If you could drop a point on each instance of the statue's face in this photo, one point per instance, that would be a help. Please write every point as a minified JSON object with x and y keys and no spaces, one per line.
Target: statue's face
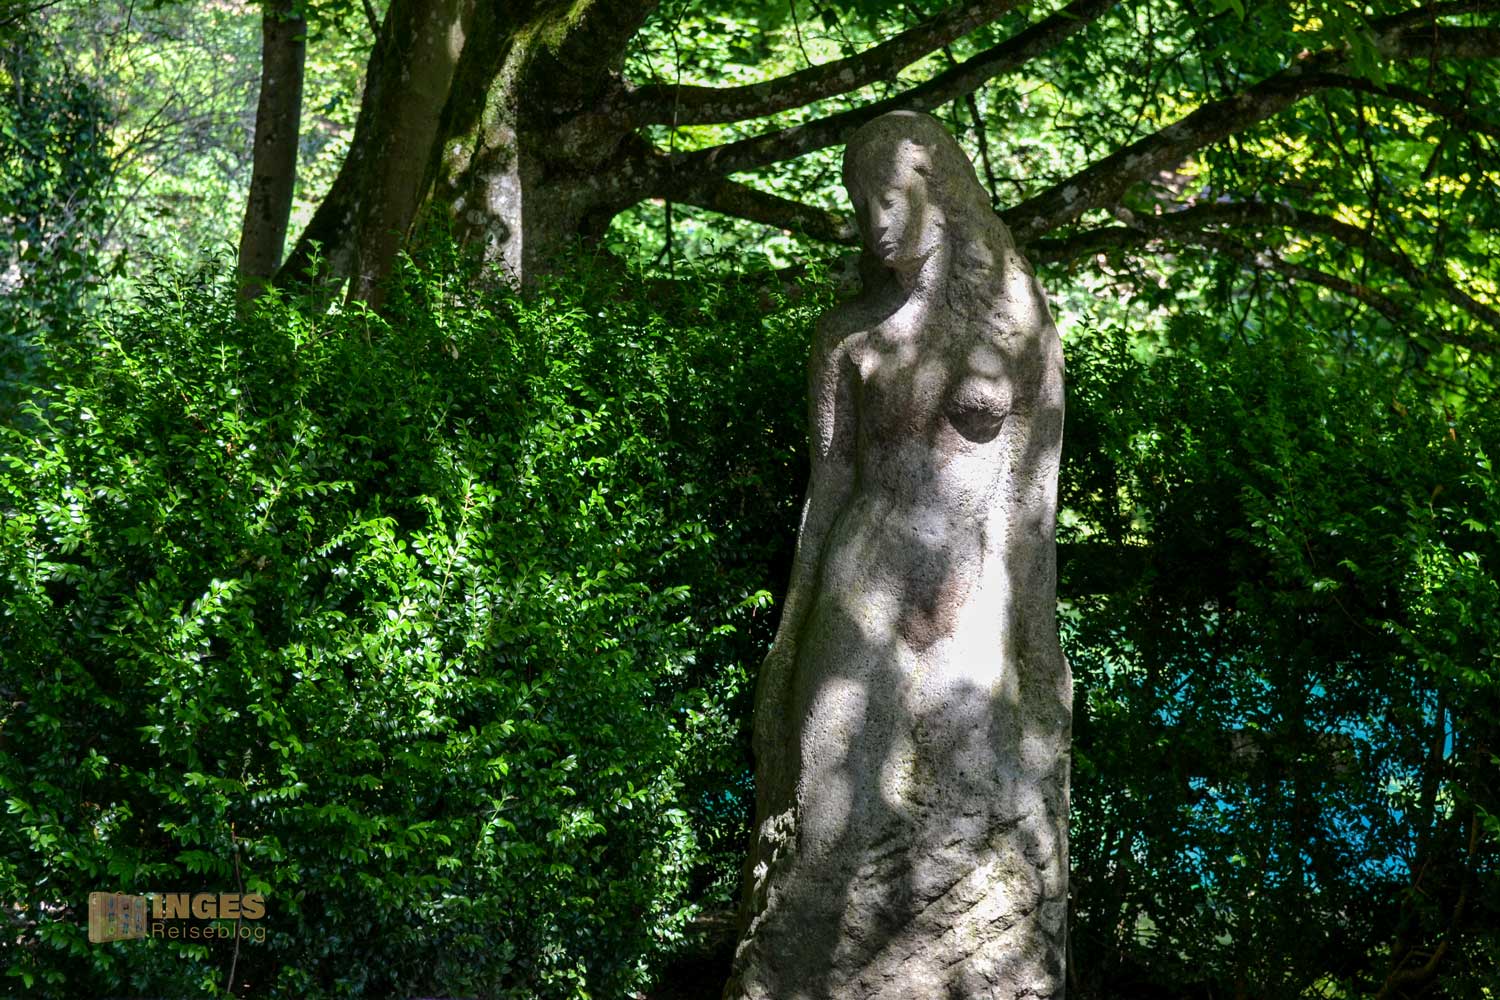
{"x":901,"y":226}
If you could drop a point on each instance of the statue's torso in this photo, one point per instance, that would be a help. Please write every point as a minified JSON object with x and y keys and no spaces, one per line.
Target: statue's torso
{"x":918,"y":540}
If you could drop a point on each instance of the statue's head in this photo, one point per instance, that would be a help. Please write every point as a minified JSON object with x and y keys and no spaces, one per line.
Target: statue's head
{"x":915,"y":190}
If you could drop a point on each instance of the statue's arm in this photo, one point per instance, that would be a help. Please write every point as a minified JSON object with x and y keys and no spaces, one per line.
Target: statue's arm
{"x":832,"y":432}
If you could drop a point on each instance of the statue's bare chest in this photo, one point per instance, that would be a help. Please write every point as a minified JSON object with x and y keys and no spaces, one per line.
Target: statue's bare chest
{"x":928,"y":382}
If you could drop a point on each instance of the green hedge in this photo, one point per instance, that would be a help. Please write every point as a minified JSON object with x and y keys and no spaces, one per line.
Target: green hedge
{"x":431,"y":626}
{"x":1283,"y":615}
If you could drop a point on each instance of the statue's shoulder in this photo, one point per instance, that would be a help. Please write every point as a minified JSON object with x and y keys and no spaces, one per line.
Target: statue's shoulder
{"x":839,"y":325}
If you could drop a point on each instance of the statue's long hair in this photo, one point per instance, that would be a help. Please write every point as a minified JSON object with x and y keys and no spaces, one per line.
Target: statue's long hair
{"x":980,"y":248}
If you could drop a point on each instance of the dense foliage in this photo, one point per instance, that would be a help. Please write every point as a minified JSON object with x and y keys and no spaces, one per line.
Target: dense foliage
{"x":53,"y":168}
{"x":1284,"y":621}
{"x":420,"y":624}
{"x":435,"y":627}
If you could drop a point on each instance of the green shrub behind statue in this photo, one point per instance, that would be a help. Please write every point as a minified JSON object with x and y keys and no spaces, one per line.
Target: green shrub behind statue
{"x":409,"y":622}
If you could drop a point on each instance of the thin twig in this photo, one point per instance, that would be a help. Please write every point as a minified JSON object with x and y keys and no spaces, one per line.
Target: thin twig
{"x":239,"y":886}
{"x":797,"y":27}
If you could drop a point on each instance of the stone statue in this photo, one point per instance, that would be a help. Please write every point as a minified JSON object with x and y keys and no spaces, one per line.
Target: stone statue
{"x":912,"y":718}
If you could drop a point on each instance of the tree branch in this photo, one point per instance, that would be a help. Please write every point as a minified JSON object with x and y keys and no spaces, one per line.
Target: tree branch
{"x":1075,"y":247}
{"x":19,"y":12}
{"x":1102,"y":183}
{"x":1401,"y":979}
{"x":661,"y":104}
{"x":1428,"y":13}
{"x":789,"y":143}
{"x":1458,"y":115}
{"x":1263,"y":215}
{"x":1263,"y":260}
{"x":1442,"y":42}
{"x":593,"y":35}
{"x":745,"y":202}
{"x":1185,"y":229}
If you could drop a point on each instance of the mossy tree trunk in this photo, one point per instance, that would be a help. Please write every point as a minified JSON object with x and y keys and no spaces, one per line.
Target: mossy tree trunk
{"x":278,"y":120}
{"x":498,"y":119}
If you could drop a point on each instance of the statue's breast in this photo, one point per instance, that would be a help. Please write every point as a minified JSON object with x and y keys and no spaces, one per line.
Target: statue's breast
{"x":976,"y":405}
{"x":929,"y":388}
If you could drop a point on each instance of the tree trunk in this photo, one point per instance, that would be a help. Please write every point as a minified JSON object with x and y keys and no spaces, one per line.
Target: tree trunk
{"x":511,"y":141}
{"x":360,"y":224}
{"x":277,"y":130}
{"x":428,"y":36}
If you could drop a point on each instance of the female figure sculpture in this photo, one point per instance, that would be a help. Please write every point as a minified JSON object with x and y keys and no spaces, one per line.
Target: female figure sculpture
{"x":912,"y":717}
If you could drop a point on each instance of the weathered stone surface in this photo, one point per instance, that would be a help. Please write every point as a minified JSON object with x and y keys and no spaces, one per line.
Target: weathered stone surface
{"x":912,"y":717}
